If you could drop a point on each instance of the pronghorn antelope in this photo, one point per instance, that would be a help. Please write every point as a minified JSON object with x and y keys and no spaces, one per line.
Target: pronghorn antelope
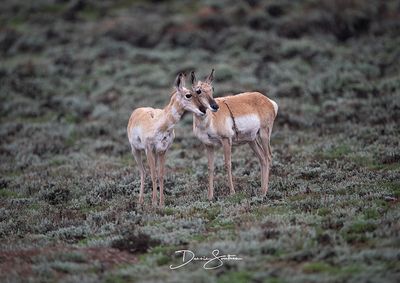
{"x":152,"y":130}
{"x":243,"y":118}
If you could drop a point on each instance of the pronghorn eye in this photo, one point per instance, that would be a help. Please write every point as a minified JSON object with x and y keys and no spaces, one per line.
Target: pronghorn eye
{"x":188,"y":95}
{"x":198,"y":91}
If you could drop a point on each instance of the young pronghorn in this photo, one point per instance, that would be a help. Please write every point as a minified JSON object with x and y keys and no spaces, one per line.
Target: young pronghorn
{"x":243,"y":118}
{"x":152,"y":130}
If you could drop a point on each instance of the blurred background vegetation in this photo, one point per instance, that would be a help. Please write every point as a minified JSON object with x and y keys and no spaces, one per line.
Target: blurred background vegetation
{"x":71,"y":72}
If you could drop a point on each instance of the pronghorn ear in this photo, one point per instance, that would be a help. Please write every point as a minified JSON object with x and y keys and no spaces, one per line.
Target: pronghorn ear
{"x":210,"y":78}
{"x":183,"y":80}
{"x":193,"y":78}
{"x":178,"y":82}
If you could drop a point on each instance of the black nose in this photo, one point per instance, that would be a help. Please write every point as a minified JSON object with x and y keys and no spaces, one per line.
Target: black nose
{"x":198,"y":91}
{"x":202,"y":109}
{"x":214,"y":105}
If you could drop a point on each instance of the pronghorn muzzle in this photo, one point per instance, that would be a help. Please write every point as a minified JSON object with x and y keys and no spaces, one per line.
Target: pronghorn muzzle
{"x":202,"y":109}
{"x":214,"y":106}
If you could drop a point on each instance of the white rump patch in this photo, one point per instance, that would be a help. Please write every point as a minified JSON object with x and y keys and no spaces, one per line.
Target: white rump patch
{"x":275,"y":106}
{"x":136,"y":138}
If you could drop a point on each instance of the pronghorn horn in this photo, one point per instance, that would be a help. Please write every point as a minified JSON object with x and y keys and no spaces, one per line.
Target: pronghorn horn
{"x":211,"y":76}
{"x":193,"y":77}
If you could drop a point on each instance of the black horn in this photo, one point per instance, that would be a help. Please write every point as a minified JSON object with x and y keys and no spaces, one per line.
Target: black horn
{"x":211,"y":76}
{"x":193,"y":78}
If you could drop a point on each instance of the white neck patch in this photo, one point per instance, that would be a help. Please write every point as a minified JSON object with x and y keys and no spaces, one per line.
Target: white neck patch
{"x":175,"y":114}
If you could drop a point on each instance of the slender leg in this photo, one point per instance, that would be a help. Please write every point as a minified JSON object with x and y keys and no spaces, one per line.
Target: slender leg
{"x":161,"y":170}
{"x":151,"y":159}
{"x":263,"y":163}
{"x":227,"y":145}
{"x":258,"y":142}
{"x":138,"y":158}
{"x":264,"y":137}
{"x":210,"y":156}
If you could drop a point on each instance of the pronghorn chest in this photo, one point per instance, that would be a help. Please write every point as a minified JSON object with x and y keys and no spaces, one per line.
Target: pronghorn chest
{"x":206,"y":134}
{"x":159,"y":140}
{"x":163,"y":140}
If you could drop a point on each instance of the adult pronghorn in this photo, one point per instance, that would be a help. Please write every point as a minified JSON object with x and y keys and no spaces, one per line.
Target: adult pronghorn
{"x":152,"y":130}
{"x":243,"y":118}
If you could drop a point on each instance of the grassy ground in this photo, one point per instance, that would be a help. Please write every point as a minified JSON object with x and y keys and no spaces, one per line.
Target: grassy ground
{"x":72,"y":72}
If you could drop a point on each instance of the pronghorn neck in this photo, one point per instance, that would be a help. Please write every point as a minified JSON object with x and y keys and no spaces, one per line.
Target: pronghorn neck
{"x":173,"y":112}
{"x":202,"y":122}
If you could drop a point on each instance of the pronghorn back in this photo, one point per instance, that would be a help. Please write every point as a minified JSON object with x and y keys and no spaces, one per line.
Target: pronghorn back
{"x":239,"y":118}
{"x":246,"y":102}
{"x":247,"y":110}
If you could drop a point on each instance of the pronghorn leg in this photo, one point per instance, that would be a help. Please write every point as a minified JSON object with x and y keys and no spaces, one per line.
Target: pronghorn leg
{"x":151,"y":159}
{"x":210,"y":156}
{"x":138,"y":158}
{"x":227,"y":145}
{"x":264,"y":138}
{"x":161,"y":170}
{"x":256,"y":147}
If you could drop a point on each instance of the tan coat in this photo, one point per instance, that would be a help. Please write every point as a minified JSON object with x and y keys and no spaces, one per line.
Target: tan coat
{"x":239,"y":118}
{"x":243,"y":118}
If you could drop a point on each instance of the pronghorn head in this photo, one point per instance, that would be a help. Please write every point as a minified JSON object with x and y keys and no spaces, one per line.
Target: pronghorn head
{"x":205,"y":90}
{"x":188,"y":98}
